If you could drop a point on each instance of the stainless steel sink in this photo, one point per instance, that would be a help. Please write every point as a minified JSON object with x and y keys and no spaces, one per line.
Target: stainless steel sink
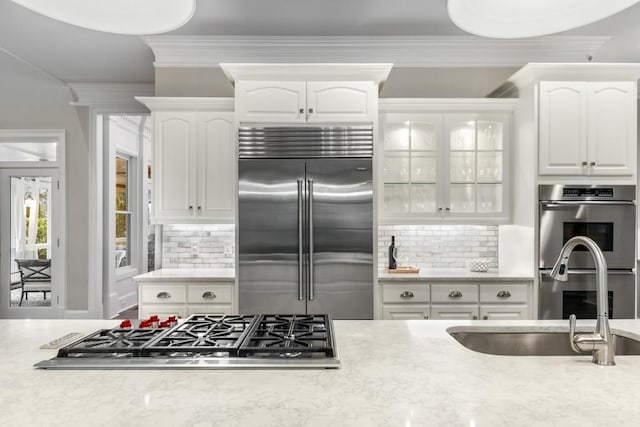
{"x":532,"y":342}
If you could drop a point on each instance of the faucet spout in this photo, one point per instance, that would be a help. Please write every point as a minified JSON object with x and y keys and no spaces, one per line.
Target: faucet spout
{"x":600,"y":342}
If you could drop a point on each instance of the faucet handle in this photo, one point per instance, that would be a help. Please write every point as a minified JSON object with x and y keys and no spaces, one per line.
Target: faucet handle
{"x":572,"y":333}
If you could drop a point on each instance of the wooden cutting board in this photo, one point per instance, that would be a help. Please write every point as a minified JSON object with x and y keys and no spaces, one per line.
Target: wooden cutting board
{"x":402,"y":270}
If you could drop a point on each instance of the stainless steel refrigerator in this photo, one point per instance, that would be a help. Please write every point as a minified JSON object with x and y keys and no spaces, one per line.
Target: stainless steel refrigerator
{"x":306,"y":221}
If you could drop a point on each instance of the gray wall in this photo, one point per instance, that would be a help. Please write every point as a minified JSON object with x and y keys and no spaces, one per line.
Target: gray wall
{"x":32,"y":100}
{"x":402,"y":82}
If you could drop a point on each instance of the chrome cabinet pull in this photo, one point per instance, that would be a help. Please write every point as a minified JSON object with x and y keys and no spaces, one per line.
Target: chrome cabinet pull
{"x":199,"y":208}
{"x":426,"y":317}
{"x":190,"y":207}
{"x":503,"y":294}
{"x":407,"y":294}
{"x":163,"y":295}
{"x":302,"y":111}
{"x":455,"y":294}
{"x":310,"y":110}
{"x":485,"y":317}
{"x":584,"y":163}
{"x":592,"y":164}
{"x":474,"y":318}
{"x":447,"y":209}
{"x":300,"y":243}
{"x":208,"y":295}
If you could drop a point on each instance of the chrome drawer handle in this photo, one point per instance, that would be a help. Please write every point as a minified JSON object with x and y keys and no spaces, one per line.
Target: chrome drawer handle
{"x":407,"y":294}
{"x":503,"y":294}
{"x":163,"y":295}
{"x":455,"y":294}
{"x":208,"y":295}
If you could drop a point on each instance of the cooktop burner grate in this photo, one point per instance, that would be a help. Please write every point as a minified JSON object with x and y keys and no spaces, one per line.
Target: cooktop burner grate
{"x":111,"y":343}
{"x":203,"y":335}
{"x":290,"y":335}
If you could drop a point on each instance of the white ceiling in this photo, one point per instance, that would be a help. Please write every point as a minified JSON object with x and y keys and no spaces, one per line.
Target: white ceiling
{"x":73,"y":54}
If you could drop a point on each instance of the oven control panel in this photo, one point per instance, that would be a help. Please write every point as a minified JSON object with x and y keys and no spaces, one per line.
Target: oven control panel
{"x":572,"y":192}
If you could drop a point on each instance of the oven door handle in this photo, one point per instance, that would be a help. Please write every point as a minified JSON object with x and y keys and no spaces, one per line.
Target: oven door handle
{"x":562,"y":203}
{"x":577,"y":271}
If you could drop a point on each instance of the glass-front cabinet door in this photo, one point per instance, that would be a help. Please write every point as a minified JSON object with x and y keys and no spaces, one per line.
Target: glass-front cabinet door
{"x":475,"y":158}
{"x":411,"y":169}
{"x":445,"y":166}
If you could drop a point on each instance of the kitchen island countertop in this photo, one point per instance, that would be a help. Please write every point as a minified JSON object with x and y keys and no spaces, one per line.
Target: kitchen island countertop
{"x":393,"y":373}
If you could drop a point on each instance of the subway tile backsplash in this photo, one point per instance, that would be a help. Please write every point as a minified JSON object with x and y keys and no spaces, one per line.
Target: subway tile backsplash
{"x":439,"y":246}
{"x":198,"y":246}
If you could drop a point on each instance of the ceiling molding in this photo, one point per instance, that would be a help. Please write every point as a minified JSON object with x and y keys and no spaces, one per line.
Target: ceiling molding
{"x":120,"y":95}
{"x":377,"y":73}
{"x":587,"y":71}
{"x":170,"y":103}
{"x":402,"y":51}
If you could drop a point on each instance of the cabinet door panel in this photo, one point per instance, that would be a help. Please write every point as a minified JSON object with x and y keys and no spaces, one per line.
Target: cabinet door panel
{"x":612,"y":127}
{"x":504,"y":312}
{"x":454,"y":312}
{"x":216,"y":166}
{"x":502,"y":293}
{"x":174,"y":158}
{"x":563,"y":128}
{"x":405,"y":293}
{"x":405,"y":312}
{"x":341,"y":102}
{"x":283,"y":102}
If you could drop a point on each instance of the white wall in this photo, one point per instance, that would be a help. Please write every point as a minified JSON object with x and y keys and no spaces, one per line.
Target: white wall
{"x":30,"y":99}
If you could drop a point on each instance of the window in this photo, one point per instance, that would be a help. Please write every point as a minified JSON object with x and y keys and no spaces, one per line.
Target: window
{"x":122,"y":212}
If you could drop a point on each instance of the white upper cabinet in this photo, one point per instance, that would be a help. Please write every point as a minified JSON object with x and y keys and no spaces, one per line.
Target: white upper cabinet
{"x":306,"y":102}
{"x":587,"y":128}
{"x":445,"y":166}
{"x":193,"y":162}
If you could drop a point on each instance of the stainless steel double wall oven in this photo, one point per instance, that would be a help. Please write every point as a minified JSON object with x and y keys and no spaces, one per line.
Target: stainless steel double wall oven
{"x":606,"y":214}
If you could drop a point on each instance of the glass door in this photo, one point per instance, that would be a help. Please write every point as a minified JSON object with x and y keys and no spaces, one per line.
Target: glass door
{"x":30,"y":260}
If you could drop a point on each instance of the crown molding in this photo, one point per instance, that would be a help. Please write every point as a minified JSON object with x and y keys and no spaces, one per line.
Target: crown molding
{"x":106,"y":95}
{"x":402,"y":51}
{"x":171,"y":103}
{"x":377,"y":73}
{"x":587,"y":71}
{"x":410,"y":105}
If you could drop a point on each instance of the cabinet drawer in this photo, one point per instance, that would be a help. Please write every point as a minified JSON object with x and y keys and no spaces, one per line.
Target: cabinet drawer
{"x":406,"y":293}
{"x":454,"y":292}
{"x":508,"y":293}
{"x":210,"y":293}
{"x":213,"y":309}
{"x":454,"y":312}
{"x":162,"y":310}
{"x":504,"y":312}
{"x":163,"y":293}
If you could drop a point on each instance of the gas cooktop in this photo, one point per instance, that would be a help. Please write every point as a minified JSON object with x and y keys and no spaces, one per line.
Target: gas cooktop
{"x":208,"y":342}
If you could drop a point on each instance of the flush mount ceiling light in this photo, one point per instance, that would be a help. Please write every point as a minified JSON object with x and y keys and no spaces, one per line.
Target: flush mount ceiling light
{"x":506,"y":19}
{"x":117,"y":16}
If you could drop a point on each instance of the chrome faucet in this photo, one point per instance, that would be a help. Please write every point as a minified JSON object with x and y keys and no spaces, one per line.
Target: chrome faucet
{"x":599,"y":342}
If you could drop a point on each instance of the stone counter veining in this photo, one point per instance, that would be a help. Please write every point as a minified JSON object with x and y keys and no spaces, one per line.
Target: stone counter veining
{"x":393,"y":373}
{"x":190,"y":274}
{"x":452,"y":275}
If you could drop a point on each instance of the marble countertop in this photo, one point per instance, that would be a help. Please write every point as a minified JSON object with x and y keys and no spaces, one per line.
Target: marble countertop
{"x":449,"y":274}
{"x":191,"y":274}
{"x":393,"y":373}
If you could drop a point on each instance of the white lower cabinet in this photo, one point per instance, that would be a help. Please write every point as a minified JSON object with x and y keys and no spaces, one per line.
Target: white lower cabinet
{"x":182,"y":299}
{"x":464,"y":300}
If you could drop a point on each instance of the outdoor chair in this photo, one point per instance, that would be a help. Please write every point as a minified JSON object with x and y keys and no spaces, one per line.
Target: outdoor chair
{"x":35,"y":276}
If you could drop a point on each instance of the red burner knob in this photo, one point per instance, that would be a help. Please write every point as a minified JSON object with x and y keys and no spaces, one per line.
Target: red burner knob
{"x":145,"y":324}
{"x":125,"y":324}
{"x":164,"y":324}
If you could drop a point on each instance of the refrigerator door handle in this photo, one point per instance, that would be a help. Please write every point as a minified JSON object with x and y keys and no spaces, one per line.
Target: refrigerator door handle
{"x":300,"y":243}
{"x":311,"y":285}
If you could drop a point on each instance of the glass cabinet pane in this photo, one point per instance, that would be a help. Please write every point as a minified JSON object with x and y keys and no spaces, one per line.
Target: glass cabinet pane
{"x":396,"y":167}
{"x":396,"y":136}
{"x":396,"y":198}
{"x":490,"y":135}
{"x":463,"y":136}
{"x":489,"y":198}
{"x":423,"y":167}
{"x":462,"y":167}
{"x":490,"y":166}
{"x":423,"y":198}
{"x":462,"y":198}
{"x":423,"y":136}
